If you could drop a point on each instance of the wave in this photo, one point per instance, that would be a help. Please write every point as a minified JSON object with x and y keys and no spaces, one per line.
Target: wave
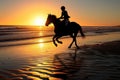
{"x":16,"y":36}
{"x":19,"y":44}
{"x":24,"y":38}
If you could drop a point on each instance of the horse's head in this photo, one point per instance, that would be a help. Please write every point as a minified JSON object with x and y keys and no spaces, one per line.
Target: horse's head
{"x":50,"y":19}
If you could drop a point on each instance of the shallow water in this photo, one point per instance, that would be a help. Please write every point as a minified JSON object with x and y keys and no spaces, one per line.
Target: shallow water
{"x":19,"y":44}
{"x":39,"y":59}
{"x":22,"y":53}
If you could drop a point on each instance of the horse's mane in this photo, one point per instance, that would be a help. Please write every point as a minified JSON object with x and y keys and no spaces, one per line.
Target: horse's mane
{"x":54,"y":16}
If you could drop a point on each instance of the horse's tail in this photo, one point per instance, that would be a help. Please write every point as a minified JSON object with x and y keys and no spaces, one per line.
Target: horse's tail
{"x":81,"y":32}
{"x":79,"y":28}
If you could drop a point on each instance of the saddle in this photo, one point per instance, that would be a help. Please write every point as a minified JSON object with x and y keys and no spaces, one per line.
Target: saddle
{"x":64,"y":27}
{"x":65,"y":23}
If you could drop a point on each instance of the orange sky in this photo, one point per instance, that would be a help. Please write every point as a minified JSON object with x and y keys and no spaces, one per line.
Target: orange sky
{"x":85,"y":12}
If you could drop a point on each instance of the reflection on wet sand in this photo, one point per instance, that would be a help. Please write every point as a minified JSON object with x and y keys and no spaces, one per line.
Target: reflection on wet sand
{"x":44,"y":68}
{"x":44,"y":61}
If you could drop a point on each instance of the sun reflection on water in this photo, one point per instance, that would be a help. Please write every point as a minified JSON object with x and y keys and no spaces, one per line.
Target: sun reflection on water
{"x":41,"y":40}
{"x":40,"y":34}
{"x":41,"y":44}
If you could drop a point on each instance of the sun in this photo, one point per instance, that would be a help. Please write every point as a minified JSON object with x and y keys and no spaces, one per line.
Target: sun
{"x":39,"y":21}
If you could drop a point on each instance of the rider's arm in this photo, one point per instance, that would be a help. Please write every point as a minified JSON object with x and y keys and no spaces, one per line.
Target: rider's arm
{"x":61,"y":17}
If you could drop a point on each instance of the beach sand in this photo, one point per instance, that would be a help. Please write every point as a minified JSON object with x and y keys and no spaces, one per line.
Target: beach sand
{"x":95,"y":60}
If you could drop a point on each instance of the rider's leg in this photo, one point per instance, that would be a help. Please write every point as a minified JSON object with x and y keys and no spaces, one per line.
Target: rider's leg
{"x":66,"y":22}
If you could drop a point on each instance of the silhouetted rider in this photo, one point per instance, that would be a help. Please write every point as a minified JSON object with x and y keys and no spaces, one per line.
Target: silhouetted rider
{"x":64,"y":15}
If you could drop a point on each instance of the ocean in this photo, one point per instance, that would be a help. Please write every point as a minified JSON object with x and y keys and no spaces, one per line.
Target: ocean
{"x":26,"y":35}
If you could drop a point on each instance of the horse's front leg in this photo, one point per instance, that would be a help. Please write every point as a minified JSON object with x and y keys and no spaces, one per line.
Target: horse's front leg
{"x":54,"y":40}
{"x":58,"y":40}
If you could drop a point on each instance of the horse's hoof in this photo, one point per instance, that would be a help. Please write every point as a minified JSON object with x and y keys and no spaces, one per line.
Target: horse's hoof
{"x":69,"y":47}
{"x":60,"y":42}
{"x":78,"y":47}
{"x":55,"y":45}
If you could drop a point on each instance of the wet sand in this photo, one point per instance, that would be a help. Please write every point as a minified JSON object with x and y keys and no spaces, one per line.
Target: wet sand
{"x":91,"y":62}
{"x":95,"y":60}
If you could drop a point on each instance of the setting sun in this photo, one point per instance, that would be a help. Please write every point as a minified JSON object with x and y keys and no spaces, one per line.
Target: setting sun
{"x":39,"y":21}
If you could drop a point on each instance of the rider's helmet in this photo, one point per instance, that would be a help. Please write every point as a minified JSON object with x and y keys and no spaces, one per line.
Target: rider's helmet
{"x":62,"y":7}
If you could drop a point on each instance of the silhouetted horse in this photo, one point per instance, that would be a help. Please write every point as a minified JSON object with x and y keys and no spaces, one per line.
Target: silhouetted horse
{"x":61,"y":30}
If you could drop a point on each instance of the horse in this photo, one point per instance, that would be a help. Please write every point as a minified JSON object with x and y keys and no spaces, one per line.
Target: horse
{"x":60,"y":30}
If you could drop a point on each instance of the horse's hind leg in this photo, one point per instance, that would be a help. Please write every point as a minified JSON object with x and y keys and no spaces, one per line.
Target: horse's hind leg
{"x":76,"y":40}
{"x":72,"y":41}
{"x":58,"y":40}
{"x":76,"y":43}
{"x":71,"y":44}
{"x":54,"y":40}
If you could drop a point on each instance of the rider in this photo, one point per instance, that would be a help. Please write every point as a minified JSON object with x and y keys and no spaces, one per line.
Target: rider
{"x":64,"y":15}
